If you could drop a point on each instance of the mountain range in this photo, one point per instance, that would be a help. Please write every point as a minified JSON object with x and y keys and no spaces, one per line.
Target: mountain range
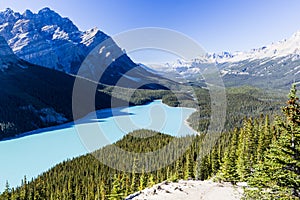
{"x":47,"y":39}
{"x":33,"y":96}
{"x":40,"y":55}
{"x":273,"y":66}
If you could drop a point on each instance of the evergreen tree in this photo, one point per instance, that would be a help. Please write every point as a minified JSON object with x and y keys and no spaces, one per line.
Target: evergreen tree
{"x":143,"y":182}
{"x":246,"y":149}
{"x":279,"y":175}
{"x":24,"y":192}
{"x":196,"y":170}
{"x":264,"y":139}
{"x":102,"y":190}
{"x":228,"y":169}
{"x":242,"y":160}
{"x":215,"y":159}
{"x":187,"y":166}
{"x":253,"y":144}
{"x":150,"y":181}
{"x":116,"y":191}
{"x":204,"y":168}
{"x":7,"y":192}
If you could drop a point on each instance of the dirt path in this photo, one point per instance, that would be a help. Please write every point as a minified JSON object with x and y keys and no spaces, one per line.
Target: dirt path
{"x":191,"y":190}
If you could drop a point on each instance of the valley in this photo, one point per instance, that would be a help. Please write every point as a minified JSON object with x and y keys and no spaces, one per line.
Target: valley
{"x":80,"y":119}
{"x":49,"y":147}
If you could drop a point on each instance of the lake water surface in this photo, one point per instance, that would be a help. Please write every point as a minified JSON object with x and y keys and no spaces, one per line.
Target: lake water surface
{"x":39,"y":150}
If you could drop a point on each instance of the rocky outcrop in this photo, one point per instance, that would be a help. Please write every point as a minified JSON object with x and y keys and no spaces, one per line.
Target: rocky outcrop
{"x":47,"y":39}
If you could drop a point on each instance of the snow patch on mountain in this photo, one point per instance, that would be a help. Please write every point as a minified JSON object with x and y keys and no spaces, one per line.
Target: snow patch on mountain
{"x":274,"y":65}
{"x":47,"y":39}
{"x":286,"y":47}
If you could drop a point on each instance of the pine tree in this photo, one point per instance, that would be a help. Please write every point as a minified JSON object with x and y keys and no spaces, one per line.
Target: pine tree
{"x":204,"y":168}
{"x":143,"y":181}
{"x":264,"y":139}
{"x":7,"y":192}
{"x":133,"y":178}
{"x":279,"y":175}
{"x":187,"y":166}
{"x":116,"y":191}
{"x":246,"y":149}
{"x":215,"y":159}
{"x":24,"y":192}
{"x":254,"y":139}
{"x":228,"y":169}
{"x":102,"y":190}
{"x":125,"y":186}
{"x":150,"y":181}
{"x":196,"y":170}
{"x":242,"y":156}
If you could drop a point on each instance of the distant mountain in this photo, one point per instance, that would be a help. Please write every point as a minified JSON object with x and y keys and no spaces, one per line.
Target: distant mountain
{"x":33,"y":97}
{"x":47,"y":39}
{"x":273,"y":66}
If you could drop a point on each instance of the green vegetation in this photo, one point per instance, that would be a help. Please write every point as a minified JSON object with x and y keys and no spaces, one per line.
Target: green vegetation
{"x":277,"y":174}
{"x":28,"y":93}
{"x":28,"y":101}
{"x":260,"y":149}
{"x":134,"y":96}
{"x":87,"y":178}
{"x":267,"y":155}
{"x":241,"y":102}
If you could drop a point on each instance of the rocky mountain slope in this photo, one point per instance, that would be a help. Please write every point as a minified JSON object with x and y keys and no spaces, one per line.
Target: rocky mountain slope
{"x":273,"y":66}
{"x":33,"y":97}
{"x":47,"y":39}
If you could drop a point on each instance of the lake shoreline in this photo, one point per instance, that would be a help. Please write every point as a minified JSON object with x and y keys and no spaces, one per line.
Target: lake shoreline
{"x":34,"y":152}
{"x":74,"y":123}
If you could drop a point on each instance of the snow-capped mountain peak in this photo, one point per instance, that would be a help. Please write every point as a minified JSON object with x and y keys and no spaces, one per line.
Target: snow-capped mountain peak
{"x":276,"y":64}
{"x":47,"y":39}
{"x":290,"y":46}
{"x":90,"y":36}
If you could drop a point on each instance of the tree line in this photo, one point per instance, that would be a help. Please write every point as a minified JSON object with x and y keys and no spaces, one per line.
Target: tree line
{"x":264,"y":152}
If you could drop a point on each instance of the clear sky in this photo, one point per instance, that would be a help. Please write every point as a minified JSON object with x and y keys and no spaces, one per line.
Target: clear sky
{"x":218,"y":25}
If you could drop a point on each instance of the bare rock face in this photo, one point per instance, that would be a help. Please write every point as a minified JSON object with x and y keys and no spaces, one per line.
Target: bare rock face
{"x":47,"y":39}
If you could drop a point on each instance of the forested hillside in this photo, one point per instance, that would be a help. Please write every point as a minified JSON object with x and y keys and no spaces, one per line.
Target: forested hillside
{"x":266,"y":155}
{"x":240,"y":102}
{"x":35,"y":97}
{"x":263,"y":152}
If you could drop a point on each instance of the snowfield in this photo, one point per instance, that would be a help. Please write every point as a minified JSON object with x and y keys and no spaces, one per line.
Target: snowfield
{"x":191,"y":190}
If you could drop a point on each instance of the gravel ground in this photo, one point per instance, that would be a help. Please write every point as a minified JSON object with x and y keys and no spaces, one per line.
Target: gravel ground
{"x":191,"y":190}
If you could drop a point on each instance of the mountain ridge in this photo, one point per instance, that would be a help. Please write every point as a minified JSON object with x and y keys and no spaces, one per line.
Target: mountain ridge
{"x":33,"y":97}
{"x":274,"y":50}
{"x":42,"y":38}
{"x":275,"y":66}
{"x":49,"y":40}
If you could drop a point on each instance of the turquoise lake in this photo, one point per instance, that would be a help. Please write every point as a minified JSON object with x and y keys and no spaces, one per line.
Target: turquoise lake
{"x":38,"y":151}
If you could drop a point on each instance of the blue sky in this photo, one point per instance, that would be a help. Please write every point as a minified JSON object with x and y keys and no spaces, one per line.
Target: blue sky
{"x":218,"y":25}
